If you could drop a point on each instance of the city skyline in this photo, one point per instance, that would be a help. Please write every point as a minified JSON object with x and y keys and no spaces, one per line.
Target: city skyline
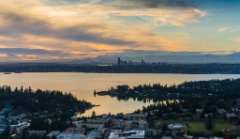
{"x":53,"y":30}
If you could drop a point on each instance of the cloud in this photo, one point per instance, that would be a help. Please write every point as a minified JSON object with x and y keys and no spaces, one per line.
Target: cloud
{"x":222,"y":29}
{"x":235,"y":30}
{"x":4,"y":38}
{"x":229,"y":29}
{"x":162,"y":3}
{"x":28,"y":51}
{"x":3,"y":55}
{"x":19,"y":24}
{"x":236,"y":40}
{"x":170,"y":12}
{"x":72,"y":29}
{"x":16,"y":54}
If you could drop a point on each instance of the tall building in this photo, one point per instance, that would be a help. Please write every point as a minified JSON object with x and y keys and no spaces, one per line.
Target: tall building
{"x":119,"y":61}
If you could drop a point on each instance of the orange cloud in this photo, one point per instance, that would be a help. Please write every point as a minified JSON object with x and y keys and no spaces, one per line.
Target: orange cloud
{"x":236,"y":40}
{"x":78,"y":31}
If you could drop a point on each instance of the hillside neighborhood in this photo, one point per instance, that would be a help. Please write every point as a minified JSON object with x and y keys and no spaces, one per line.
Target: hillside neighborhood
{"x":138,"y":125}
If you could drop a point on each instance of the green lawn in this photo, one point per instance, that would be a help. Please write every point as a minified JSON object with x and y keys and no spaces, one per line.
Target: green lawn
{"x":219,"y":124}
{"x":200,"y":127}
{"x":219,"y":120}
{"x":196,"y":127}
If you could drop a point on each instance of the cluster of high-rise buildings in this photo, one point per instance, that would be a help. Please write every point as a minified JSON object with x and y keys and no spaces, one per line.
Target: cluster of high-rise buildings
{"x":130,"y":62}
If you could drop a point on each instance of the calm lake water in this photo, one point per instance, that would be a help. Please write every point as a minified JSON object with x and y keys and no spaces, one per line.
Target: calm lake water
{"x":83,"y":85}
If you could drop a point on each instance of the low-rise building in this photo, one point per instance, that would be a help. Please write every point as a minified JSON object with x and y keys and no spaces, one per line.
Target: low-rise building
{"x":117,"y":123}
{"x":132,"y":134}
{"x":199,"y":111}
{"x":18,"y":128}
{"x":143,"y":124}
{"x":98,"y":121}
{"x":88,"y":125}
{"x":136,"y":124}
{"x":37,"y":133}
{"x":152,"y":132}
{"x":95,"y":134}
{"x":221,"y":111}
{"x":2,"y":128}
{"x":92,"y":123}
{"x":135,"y":116}
{"x":72,"y":133}
{"x":232,"y":117}
{"x":53,"y":134}
{"x":95,"y":126}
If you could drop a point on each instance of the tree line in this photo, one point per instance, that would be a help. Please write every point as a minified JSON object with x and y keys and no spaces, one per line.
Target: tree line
{"x":144,"y":68}
{"x":222,"y":88}
{"x":40,"y":100}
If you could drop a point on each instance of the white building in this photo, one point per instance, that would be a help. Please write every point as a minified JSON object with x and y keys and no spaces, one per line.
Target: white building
{"x":175,"y":126}
{"x":132,"y":134}
{"x":53,"y":134}
{"x":18,"y":128}
{"x":115,"y":134}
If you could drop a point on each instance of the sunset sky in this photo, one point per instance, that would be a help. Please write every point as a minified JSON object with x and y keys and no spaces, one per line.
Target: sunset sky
{"x":76,"y":29}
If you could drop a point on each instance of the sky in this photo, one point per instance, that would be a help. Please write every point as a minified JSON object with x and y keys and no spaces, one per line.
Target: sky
{"x":59,"y":30}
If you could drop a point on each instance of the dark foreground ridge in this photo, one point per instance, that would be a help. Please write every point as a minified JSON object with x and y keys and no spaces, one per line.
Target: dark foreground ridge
{"x":141,"y":68}
{"x":39,"y":109}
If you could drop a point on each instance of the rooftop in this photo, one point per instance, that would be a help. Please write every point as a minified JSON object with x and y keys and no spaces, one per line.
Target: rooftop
{"x":74,"y":130}
{"x":132,"y":134}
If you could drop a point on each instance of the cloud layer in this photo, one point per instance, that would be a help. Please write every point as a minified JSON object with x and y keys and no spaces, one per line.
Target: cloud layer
{"x":163,"y":3}
{"x":72,"y":29}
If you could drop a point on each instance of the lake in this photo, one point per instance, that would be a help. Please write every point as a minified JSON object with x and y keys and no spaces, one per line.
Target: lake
{"x":83,"y":85}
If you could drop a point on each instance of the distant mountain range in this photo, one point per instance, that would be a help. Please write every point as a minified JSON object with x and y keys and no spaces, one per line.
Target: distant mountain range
{"x":162,"y":56}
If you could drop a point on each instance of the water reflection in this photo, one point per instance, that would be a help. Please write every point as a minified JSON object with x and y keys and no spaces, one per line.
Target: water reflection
{"x":83,"y":85}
